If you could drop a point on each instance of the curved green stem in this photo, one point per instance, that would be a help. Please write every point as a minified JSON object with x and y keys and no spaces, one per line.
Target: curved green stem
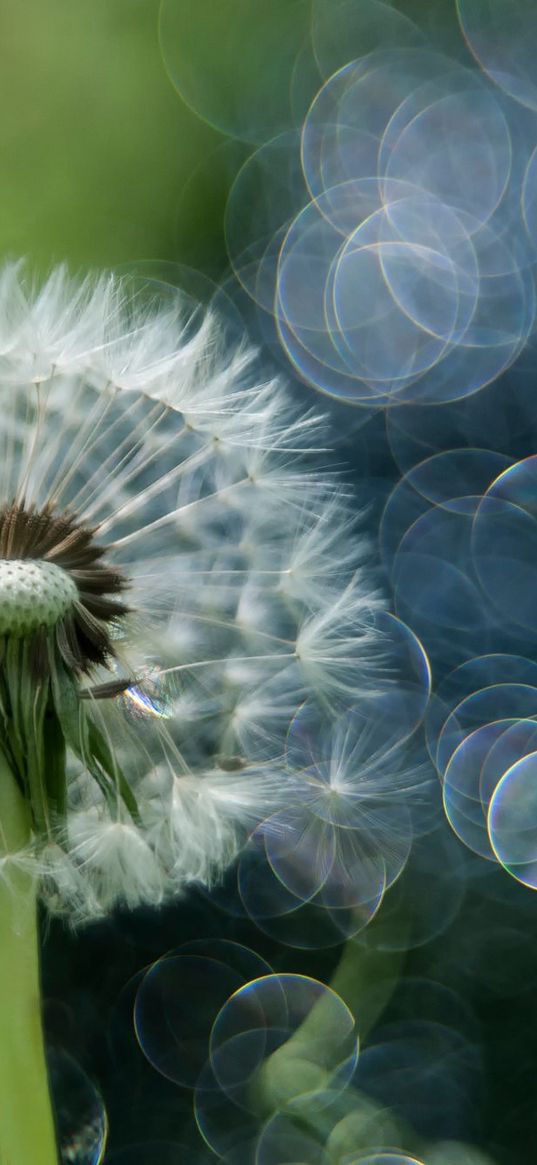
{"x":364,"y":979}
{"x":27,"y":1133}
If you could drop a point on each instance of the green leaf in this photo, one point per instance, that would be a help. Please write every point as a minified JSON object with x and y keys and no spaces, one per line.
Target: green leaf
{"x":108,"y":764}
{"x":54,"y":762}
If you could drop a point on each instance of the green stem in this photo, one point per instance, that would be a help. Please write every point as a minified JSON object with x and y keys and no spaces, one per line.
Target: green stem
{"x":364,"y":979}
{"x":27,"y":1134}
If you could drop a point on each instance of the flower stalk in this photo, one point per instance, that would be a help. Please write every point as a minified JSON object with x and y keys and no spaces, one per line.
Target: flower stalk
{"x":27,"y":1132}
{"x":364,"y":980}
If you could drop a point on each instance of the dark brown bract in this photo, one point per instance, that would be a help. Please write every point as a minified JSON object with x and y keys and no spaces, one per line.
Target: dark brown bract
{"x":83,"y":634}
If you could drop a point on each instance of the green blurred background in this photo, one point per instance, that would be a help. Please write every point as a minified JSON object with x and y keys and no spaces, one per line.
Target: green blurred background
{"x":95,"y":145}
{"x":102,"y":161}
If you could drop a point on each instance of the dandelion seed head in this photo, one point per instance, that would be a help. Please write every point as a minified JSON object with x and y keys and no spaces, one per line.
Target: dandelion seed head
{"x":33,"y":594}
{"x":178,"y":573}
{"x":53,"y":579}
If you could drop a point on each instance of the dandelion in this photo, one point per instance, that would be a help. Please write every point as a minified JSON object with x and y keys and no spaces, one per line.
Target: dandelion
{"x":178,"y":572}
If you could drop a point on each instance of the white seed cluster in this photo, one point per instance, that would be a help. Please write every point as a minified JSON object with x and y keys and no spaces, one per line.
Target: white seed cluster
{"x":248,"y":587}
{"x":33,"y":594}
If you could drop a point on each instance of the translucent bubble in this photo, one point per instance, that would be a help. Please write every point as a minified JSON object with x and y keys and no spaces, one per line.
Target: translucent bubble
{"x":232,"y":63}
{"x":428,"y":260}
{"x":401,"y":702}
{"x":395,"y":304}
{"x":283,"y":1036}
{"x":349,"y":834}
{"x":434,"y":1002}
{"x":275,"y":1045}
{"x":502,"y":414}
{"x":476,"y":674}
{"x":418,"y":288}
{"x":385,"y":284}
{"x":343,"y":768}
{"x":500,"y":326}
{"x":529,"y":197}
{"x":181,"y":285}
{"x":350,"y":113}
{"x":451,"y":139}
{"x":512,"y":821}
{"x":315,"y":237}
{"x":466,"y":793}
{"x":122,"y":1045}
{"x":263,"y":894}
{"x":311,"y":856}
{"x":199,"y":207}
{"x":240,"y":958}
{"x":306,"y":256}
{"x":174,"y":1010}
{"x":517,"y":741}
{"x":226,"y":1123}
{"x":267,"y":193}
{"x":243,"y":1153}
{"x":342,"y":29}
{"x":499,"y":702}
{"x":501,"y":35}
{"x":358,"y":1124}
{"x":435,"y":589}
{"x":505,"y":542}
{"x":333,"y":1132}
{"x":423,"y":221}
{"x":410,"y":917}
{"x":311,"y":925}
{"x":283,"y":1139}
{"x":315,"y":370}
{"x":455,"y":473}
{"x":333,"y":154}
{"x":305,"y":81}
{"x":382,"y":1158}
{"x":80,"y":1115}
{"x":301,"y":851}
{"x":340,"y":878}
{"x":426,"y":1070}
